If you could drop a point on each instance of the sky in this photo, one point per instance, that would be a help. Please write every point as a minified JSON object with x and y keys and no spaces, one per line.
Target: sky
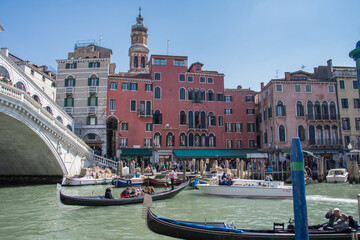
{"x":249,"y":41}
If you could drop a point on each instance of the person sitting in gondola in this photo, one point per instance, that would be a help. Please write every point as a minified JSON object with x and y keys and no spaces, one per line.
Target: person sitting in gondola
{"x":333,"y":216}
{"x":125,"y":193}
{"x":133,"y":193}
{"x":342,"y":224}
{"x":108,"y":194}
{"x":353,"y":223}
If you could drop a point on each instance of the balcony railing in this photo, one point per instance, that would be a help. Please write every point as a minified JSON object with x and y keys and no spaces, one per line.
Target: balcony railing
{"x":143,"y":113}
{"x":324,"y":117}
{"x":325,"y":142}
{"x":69,"y":90}
{"x":92,"y":89}
{"x":337,"y":73}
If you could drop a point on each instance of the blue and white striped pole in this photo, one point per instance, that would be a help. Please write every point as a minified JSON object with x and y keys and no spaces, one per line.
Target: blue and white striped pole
{"x":299,"y":194}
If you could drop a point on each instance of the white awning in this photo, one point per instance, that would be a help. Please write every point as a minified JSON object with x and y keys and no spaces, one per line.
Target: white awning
{"x":257,"y":155}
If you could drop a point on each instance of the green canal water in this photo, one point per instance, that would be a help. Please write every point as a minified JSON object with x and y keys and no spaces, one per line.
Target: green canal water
{"x":34,"y":212}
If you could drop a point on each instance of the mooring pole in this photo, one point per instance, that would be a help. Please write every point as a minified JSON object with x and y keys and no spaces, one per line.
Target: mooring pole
{"x":299,"y":194}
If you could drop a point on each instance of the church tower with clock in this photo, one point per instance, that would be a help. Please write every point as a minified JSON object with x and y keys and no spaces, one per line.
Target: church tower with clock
{"x":138,"y":51}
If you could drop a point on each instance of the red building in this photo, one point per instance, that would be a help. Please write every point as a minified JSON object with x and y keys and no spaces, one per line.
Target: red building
{"x":164,"y":105}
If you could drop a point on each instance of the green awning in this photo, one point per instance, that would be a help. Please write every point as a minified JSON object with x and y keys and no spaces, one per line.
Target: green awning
{"x":213,"y":153}
{"x":136,"y":152}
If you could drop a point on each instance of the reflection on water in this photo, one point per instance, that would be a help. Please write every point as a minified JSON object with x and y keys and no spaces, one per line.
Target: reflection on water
{"x":34,"y":212}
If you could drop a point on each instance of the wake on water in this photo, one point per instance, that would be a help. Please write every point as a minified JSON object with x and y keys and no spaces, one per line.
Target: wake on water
{"x":330,"y":199}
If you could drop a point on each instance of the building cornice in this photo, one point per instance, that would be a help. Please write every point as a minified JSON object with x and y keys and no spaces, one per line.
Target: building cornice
{"x":86,"y":60}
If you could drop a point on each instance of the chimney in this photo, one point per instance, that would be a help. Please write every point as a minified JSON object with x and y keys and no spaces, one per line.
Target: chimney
{"x":6,"y":51}
{"x":261,"y":86}
{"x":287,"y":76}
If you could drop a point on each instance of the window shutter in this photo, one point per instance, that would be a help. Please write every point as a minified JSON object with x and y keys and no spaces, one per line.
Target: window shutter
{"x":206,"y":141}
{"x":144,"y":142}
{"x":66,"y":82}
{"x":72,"y":102}
{"x":65,"y":103}
{"x":74,"y":83}
{"x":284,"y":110}
{"x":89,"y":65}
{"x":98,"y":64}
{"x":95,"y":120}
{"x":96,"y":101}
{"x":226,"y":127}
{"x":89,"y":81}
{"x":230,"y":110}
{"x":97,"y":81}
{"x":173,"y":140}
{"x":214,"y":141}
{"x":75,"y":65}
{"x":88,"y":101}
{"x":231,"y":98}
{"x":87,"y":120}
{"x":160,"y":118}
{"x":277,"y":111}
{"x":160,"y":140}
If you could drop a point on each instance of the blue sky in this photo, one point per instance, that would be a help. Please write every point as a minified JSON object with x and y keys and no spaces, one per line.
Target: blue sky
{"x":250,"y":41}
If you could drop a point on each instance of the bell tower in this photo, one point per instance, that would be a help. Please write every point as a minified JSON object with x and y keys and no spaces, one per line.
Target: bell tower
{"x":138,"y":51}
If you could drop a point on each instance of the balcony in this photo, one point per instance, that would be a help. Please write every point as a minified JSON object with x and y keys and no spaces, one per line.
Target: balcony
{"x":69,"y":110}
{"x":92,"y":89}
{"x":337,"y":73}
{"x":325,"y":142}
{"x":69,"y":90}
{"x":322,"y":117}
{"x":143,"y":113}
{"x":91,"y":110}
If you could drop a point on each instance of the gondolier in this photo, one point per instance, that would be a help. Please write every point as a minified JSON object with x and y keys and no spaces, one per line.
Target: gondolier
{"x":172,"y":176}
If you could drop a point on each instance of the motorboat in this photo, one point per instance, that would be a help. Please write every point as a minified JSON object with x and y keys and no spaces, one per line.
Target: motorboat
{"x":128,"y":180}
{"x":86,"y":180}
{"x":338,"y":175}
{"x":161,"y":180}
{"x":248,"y":188}
{"x":102,"y":201}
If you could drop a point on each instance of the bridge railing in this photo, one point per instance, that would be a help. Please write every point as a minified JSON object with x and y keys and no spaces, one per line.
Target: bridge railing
{"x":22,"y":96}
{"x":105,"y":162}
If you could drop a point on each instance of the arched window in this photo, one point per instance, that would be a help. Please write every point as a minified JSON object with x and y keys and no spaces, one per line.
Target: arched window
{"x":203,"y":140}
{"x":21,"y":86}
{"x":317,"y":110}
{"x":211,"y":96}
{"x":48,"y":109}
{"x":59,"y":119}
{"x":136,"y":62}
{"x":170,"y":139}
{"x":335,"y":135}
{"x":333,"y":110}
{"x":197,"y":140}
{"x":70,"y":81}
{"x":157,"y":117}
{"x":182,"y":140}
{"x":142,"y":62}
{"x":301,"y":133}
{"x":212,"y":140}
{"x":280,"y":109}
{"x":191,"y":139}
{"x":93,"y":80}
{"x":92,"y":100}
{"x":182,"y":118}
{"x":282,"y":133}
{"x":4,"y":73}
{"x":299,"y":109}
{"x":327,"y":135}
{"x":182,"y":93}
{"x":325,"y":110}
{"x":197,"y":119}
{"x":157,"y":139}
{"x":212,"y":119}
{"x":191,"y":119}
{"x":37,"y":99}
{"x":312,"y":135}
{"x":319,"y":135}
{"x":157,"y":93}
{"x":190,"y":94}
{"x":202,"y":94}
{"x":310,"y":110}
{"x":196,"y":94}
{"x":69,"y":127}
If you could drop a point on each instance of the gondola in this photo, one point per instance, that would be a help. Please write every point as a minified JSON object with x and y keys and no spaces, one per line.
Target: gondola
{"x":101,"y":201}
{"x":222,"y":230}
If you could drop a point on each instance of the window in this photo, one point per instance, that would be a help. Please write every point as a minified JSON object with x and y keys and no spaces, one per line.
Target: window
{"x":157,"y":139}
{"x":342,"y":84}
{"x":238,"y":127}
{"x":356,"y":103}
{"x":182,"y":140}
{"x":227,"y":111}
{"x":182,"y":93}
{"x":344,"y":103}
{"x":250,"y":127}
{"x":147,"y":142}
{"x":182,"y":118}
{"x":251,"y":144}
{"x":70,"y":65}
{"x":282,"y":134}
{"x":148,"y":87}
{"x":148,"y":127}
{"x":124,"y":126}
{"x":142,"y":62}
{"x":190,"y":94}
{"x":239,"y":144}
{"x":331,"y":89}
{"x":91,"y":120}
{"x":70,"y":82}
{"x":210,"y":80}
{"x":279,"y":87}
{"x":308,"y":88}
{"x":170,"y":139}
{"x":92,"y":101}
{"x":221,"y":121}
{"x":357,"y":123}
{"x":157,"y":118}
{"x":157,"y":76}
{"x":190,"y":79}
{"x":125,"y":86}
{"x":346,"y":123}
{"x":133,"y":106}
{"x":297,"y":88}
{"x":113,"y":85}
{"x":94,"y":64}
{"x":280,"y":109}
{"x":301,"y":133}
{"x":250,"y":111}
{"x":265,"y":138}
{"x":299,"y":109}
{"x":355,"y":85}
{"x":220,"y":97}
{"x":265,"y":114}
{"x":182,"y":77}
{"x":212,"y":140}
{"x":179,"y":62}
{"x":211,"y":96}
{"x":228,"y":143}
{"x":68,"y":101}
{"x":157,"y":93}
{"x":228,"y":127}
{"x":228,"y":98}
{"x":93,"y":81}
{"x":136,"y":62}
{"x":159,"y":61}
{"x":212,"y":119}
{"x":123,"y":142}
{"x":112,"y":104}
{"x":202,"y":94}
{"x":133,"y":86}
{"x":202,"y":79}
{"x":249,"y":98}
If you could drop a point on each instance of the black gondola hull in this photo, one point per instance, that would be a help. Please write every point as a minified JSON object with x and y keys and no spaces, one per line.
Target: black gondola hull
{"x":100,"y":201}
{"x":171,"y":229}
